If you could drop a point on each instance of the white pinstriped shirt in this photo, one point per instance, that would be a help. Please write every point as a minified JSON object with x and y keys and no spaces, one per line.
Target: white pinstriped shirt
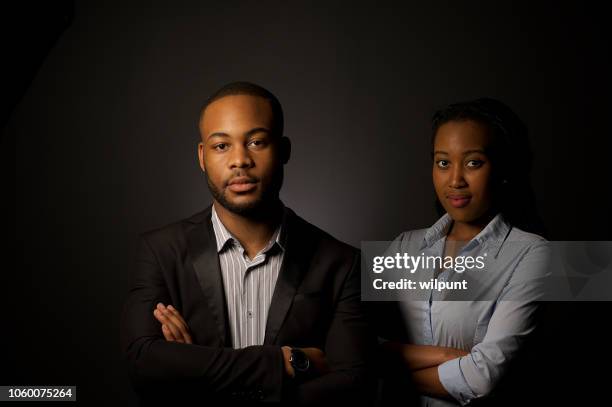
{"x":248,"y":283}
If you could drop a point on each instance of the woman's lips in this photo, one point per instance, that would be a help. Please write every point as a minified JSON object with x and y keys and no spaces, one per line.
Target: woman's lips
{"x":458,"y":201}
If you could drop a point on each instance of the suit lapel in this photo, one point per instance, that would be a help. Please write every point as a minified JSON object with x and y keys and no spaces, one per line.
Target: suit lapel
{"x":295,"y":264}
{"x":202,"y":248}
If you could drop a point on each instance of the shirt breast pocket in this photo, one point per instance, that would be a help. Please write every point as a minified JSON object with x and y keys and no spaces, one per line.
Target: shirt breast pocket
{"x":483,"y":324}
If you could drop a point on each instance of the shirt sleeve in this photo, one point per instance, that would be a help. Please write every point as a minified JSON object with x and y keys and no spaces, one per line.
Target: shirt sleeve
{"x":476,"y":374}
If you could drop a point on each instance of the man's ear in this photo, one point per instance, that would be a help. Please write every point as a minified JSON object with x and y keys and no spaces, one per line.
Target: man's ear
{"x":201,"y":156}
{"x":285,"y":149}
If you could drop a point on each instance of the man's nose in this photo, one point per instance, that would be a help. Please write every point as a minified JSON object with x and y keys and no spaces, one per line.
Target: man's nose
{"x":240,"y":157}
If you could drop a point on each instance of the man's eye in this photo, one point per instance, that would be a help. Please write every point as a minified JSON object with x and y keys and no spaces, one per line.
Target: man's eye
{"x":474,"y":163}
{"x":442,"y":163}
{"x":257,"y":143}
{"x":220,"y":147}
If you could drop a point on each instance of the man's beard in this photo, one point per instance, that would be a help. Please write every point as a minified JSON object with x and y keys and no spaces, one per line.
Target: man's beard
{"x":255,"y":208}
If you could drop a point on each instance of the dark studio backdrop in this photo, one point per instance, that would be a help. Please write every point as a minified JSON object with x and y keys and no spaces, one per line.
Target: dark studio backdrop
{"x":101,"y":104}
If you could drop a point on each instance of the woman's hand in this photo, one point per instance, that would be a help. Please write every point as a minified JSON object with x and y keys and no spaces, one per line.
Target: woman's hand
{"x":423,"y":362}
{"x":418,"y":357}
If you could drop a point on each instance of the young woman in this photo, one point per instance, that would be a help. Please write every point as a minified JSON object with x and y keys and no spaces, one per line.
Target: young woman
{"x":457,"y":351}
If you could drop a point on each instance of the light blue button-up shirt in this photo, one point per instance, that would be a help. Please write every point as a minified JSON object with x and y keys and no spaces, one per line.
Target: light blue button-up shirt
{"x":493,"y":330}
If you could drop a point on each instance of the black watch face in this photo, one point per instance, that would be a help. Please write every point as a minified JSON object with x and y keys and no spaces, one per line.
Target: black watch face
{"x":299,"y":360}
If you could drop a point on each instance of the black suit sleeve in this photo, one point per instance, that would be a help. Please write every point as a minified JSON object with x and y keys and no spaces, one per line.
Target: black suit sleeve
{"x":255,"y":372}
{"x":348,"y":348}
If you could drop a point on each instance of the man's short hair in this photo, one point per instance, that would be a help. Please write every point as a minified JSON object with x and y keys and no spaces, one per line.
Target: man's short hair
{"x":250,"y":89}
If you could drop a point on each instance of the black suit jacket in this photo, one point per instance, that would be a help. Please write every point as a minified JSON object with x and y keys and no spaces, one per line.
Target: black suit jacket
{"x":316,"y":303}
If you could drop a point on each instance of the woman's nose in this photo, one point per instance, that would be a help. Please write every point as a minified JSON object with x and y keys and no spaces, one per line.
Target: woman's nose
{"x":457,"y":179}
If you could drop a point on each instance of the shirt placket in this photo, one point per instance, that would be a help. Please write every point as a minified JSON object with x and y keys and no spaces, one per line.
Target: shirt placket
{"x":250,"y":295}
{"x":436,"y":250}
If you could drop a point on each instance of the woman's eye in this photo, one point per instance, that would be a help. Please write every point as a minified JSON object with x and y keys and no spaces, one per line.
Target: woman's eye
{"x":474,"y":163}
{"x":442,"y":163}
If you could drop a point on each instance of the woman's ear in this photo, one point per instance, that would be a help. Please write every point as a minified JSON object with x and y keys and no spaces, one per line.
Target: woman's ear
{"x":201,"y":156}
{"x":285,"y":149}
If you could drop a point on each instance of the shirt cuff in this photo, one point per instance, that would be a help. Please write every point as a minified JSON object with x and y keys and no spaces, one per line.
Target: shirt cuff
{"x":453,"y":381}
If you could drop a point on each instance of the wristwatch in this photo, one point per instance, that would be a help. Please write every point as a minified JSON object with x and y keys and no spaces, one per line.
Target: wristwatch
{"x":299,"y":361}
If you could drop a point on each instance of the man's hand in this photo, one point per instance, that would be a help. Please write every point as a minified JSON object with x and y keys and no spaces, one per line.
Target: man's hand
{"x":174,"y":327}
{"x":318,"y":363}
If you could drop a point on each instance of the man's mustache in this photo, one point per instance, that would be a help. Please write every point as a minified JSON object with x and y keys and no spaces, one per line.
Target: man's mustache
{"x":241,"y":178}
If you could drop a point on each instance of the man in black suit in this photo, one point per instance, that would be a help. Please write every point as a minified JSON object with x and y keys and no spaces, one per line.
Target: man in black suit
{"x":245,"y":301}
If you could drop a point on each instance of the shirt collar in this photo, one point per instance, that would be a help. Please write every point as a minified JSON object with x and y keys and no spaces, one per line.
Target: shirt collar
{"x":438,"y":230}
{"x":224,"y":237}
{"x":494,"y":233}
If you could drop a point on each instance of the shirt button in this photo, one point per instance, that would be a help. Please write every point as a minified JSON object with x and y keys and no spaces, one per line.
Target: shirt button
{"x":250,"y":314}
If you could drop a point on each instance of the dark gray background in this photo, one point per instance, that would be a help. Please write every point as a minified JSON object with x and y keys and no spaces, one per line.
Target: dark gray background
{"x":105,"y":138}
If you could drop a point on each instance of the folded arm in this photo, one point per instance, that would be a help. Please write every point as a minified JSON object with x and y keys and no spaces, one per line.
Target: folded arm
{"x":153,"y":361}
{"x":513,"y":320}
{"x":453,"y":373}
{"x":348,"y":348}
{"x":417,"y":357}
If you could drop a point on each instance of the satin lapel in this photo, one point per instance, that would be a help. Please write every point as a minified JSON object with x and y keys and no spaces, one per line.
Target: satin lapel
{"x":295,"y":264}
{"x":205,"y":259}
